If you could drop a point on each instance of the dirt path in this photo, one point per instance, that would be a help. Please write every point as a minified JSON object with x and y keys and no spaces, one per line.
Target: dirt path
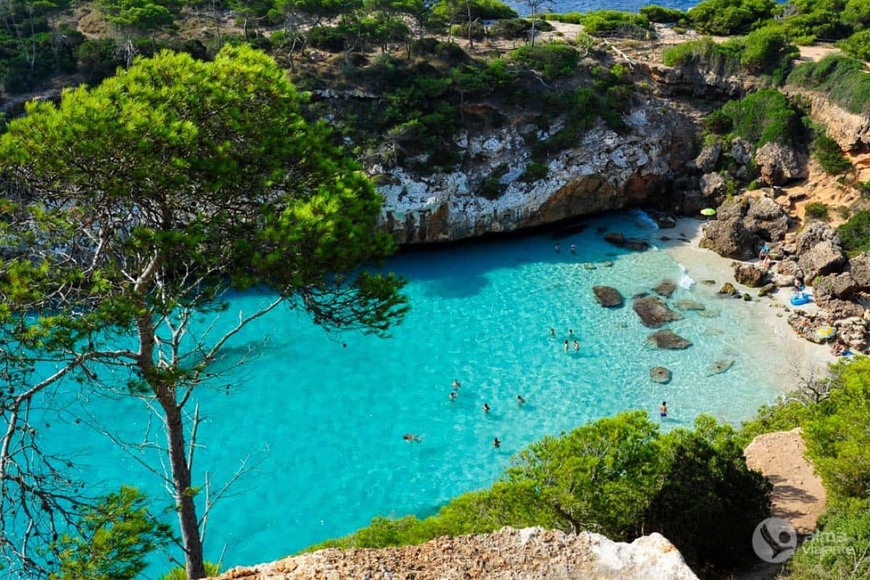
{"x":798,"y":494}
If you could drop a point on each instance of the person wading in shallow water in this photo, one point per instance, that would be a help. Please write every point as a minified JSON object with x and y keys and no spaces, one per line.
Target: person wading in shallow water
{"x":663,"y":410}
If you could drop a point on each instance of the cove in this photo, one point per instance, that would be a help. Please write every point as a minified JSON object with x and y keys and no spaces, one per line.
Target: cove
{"x":320,"y":418}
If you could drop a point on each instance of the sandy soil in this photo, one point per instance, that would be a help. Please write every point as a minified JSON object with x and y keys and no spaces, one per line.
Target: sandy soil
{"x":798,"y":494}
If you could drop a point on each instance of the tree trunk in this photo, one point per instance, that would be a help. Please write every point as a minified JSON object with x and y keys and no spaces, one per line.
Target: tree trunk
{"x":184,"y":503}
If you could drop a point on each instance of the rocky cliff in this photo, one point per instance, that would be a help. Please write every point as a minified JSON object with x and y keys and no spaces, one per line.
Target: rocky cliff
{"x":850,"y":131}
{"x":604,"y":171}
{"x":509,"y":554}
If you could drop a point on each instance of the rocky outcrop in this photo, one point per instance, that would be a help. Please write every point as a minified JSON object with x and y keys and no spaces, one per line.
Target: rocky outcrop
{"x":607,"y":296}
{"x":859,"y":269}
{"x":850,"y":131}
{"x":654,"y":312}
{"x":669,"y":340}
{"x":602,"y":171}
{"x":779,"y":164}
{"x":749,"y":275}
{"x":728,"y":289}
{"x":742,"y":225}
{"x":508,"y":554}
{"x":819,"y":250}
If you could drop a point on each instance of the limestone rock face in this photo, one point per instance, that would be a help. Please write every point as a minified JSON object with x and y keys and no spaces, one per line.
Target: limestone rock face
{"x":849,"y":130}
{"x":654,"y":312}
{"x":779,"y":164}
{"x":742,"y":225}
{"x":602,"y":171}
{"x":841,"y":286}
{"x":819,"y":250}
{"x":707,"y":159}
{"x":766,"y":219}
{"x":508,"y":554}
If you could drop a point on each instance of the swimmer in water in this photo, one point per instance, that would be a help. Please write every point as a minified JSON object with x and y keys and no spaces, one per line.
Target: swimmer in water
{"x":456,"y":384}
{"x":411,"y":438}
{"x":496,"y":442}
{"x":573,"y":249}
{"x":520,"y":400}
{"x":552,"y":332}
{"x":486,"y":408}
{"x":557,"y":247}
{"x":452,"y":396}
{"x":577,"y":346}
{"x":566,"y":346}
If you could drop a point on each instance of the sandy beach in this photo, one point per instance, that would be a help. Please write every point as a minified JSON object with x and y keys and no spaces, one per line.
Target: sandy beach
{"x":770,"y":341}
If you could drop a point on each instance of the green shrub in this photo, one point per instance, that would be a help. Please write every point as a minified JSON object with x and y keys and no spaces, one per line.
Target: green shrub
{"x":817,"y":210}
{"x":839,"y":548}
{"x":211,"y":569}
{"x":837,"y":435}
{"x":474,"y":29}
{"x":857,"y":45}
{"x":767,"y":49}
{"x":730,"y":17}
{"x":843,"y":211}
{"x":328,"y":38}
{"x":480,"y":10}
{"x":616,"y":23}
{"x":618,"y":476}
{"x":843,"y":78}
{"x":517,"y":28}
{"x":551,"y":60}
{"x":704,"y":53}
{"x":763,"y":117}
{"x":567,"y":17}
{"x":534,"y":172}
{"x":662,"y":14}
{"x":827,"y":152}
{"x":855,"y":233}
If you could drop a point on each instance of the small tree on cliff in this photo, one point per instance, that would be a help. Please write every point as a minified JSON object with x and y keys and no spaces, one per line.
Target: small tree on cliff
{"x":131,"y":209}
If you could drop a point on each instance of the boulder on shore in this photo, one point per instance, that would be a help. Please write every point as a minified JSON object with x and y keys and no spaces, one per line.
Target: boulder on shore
{"x":660,"y":375}
{"x":728,"y":289}
{"x":730,"y":239}
{"x":778,"y":164}
{"x":654,"y":312}
{"x":608,"y":296}
{"x":665,"y":288}
{"x":819,"y":250}
{"x":669,"y":340}
{"x":749,"y":275}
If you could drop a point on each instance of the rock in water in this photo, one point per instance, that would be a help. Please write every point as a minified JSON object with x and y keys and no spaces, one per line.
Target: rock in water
{"x":720,"y":366}
{"x":660,"y":375}
{"x":665,"y":288}
{"x":689,"y":305}
{"x":669,"y":340}
{"x":608,"y":296}
{"x":654,"y":312}
{"x":619,"y":239}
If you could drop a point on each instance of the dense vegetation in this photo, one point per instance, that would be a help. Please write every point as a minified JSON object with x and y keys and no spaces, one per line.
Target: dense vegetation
{"x":833,"y":414}
{"x":765,"y":116}
{"x":855,"y":233}
{"x":843,"y":79}
{"x":618,"y":476}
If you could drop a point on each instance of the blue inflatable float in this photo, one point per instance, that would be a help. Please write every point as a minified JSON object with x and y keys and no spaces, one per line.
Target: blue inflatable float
{"x":800,"y":298}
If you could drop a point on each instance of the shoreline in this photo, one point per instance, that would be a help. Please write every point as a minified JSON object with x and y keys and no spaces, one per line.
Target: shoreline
{"x":795,"y":358}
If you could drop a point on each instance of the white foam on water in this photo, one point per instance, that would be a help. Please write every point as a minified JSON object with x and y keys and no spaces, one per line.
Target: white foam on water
{"x":686,"y":281}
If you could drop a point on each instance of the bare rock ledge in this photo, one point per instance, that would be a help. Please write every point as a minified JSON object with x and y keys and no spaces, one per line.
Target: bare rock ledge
{"x":508,"y":554}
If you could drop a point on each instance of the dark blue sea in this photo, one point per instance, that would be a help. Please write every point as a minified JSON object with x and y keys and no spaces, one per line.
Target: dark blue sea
{"x":563,"y":6}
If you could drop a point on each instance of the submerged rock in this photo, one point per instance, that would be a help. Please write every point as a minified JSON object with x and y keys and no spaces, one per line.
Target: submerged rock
{"x":665,"y":288}
{"x":654,"y":312}
{"x":689,"y":305}
{"x":720,"y":366}
{"x":660,"y":375}
{"x":669,"y":340}
{"x":618,"y":239}
{"x":608,"y":296}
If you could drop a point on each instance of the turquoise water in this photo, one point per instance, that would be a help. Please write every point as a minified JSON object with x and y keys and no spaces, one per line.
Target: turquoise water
{"x":321,"y":417}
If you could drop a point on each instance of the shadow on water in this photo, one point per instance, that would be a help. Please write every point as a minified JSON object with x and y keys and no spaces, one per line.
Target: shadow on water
{"x":455,"y":287}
